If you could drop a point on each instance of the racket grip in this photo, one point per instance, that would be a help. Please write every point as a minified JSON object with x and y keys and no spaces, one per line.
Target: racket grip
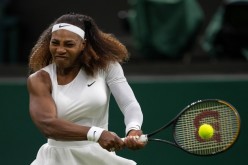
{"x":142,"y":138}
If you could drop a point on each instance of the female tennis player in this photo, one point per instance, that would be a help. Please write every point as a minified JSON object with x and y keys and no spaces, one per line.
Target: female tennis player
{"x":74,"y":68}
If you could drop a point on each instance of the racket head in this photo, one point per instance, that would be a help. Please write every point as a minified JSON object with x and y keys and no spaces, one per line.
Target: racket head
{"x":221,"y":115}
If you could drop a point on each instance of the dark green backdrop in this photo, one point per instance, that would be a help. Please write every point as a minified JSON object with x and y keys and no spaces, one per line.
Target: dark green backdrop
{"x":160,"y":101}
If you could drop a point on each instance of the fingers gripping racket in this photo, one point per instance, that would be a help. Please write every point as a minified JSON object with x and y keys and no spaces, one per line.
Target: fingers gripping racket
{"x":222,"y":117}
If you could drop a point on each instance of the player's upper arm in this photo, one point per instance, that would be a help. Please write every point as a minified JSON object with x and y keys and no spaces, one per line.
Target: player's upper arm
{"x":41,"y":104}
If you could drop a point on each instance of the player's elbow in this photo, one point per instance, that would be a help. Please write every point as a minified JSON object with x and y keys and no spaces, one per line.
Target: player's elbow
{"x":47,"y":128}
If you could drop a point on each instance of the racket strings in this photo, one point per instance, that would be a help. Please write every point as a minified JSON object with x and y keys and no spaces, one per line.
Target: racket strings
{"x":221,"y":116}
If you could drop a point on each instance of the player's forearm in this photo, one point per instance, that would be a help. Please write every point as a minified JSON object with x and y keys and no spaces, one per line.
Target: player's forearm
{"x":59,"y":129}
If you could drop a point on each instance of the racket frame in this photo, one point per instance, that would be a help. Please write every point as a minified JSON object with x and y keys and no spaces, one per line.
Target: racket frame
{"x":173,"y":122}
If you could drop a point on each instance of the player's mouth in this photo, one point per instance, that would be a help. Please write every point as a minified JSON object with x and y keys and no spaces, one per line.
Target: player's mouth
{"x":61,"y":57}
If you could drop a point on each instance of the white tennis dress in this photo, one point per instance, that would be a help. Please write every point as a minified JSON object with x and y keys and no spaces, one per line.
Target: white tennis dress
{"x":85,"y":101}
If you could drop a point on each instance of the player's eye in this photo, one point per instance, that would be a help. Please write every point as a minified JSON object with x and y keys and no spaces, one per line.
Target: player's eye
{"x":69,"y":45}
{"x":54,"y":42}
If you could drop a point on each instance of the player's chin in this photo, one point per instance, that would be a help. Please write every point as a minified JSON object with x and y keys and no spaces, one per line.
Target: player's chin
{"x":62,"y":63}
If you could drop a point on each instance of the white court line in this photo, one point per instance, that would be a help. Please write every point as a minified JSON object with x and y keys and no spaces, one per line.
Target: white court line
{"x":187,"y":78}
{"x":158,"y":78}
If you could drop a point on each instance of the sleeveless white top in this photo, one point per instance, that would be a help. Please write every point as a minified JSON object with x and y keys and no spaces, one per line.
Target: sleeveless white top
{"x":85,"y":101}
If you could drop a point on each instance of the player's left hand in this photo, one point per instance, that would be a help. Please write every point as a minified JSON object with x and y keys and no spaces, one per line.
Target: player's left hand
{"x":132,"y":140}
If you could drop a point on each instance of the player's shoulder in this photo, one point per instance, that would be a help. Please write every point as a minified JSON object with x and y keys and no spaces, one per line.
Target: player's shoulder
{"x":114,"y":66}
{"x":115,"y":73}
{"x":40,"y":76}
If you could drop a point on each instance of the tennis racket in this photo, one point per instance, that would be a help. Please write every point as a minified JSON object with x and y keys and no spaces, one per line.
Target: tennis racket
{"x":221,"y":115}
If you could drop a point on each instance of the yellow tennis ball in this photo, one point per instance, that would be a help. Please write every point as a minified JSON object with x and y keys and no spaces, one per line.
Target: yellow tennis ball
{"x":206,"y":131}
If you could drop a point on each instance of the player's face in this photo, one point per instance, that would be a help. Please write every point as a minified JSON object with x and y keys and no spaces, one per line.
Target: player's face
{"x":66,"y":47}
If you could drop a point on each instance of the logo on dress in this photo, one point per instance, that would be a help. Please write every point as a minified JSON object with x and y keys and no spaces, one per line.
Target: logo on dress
{"x":91,"y":83}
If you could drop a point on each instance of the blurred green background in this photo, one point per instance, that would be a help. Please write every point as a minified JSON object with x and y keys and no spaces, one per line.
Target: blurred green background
{"x":161,"y":100}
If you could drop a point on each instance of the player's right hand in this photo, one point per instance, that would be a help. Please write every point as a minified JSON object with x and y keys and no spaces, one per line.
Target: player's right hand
{"x":110,"y":141}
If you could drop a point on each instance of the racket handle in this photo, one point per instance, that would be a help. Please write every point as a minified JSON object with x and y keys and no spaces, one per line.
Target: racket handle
{"x":142,"y":138}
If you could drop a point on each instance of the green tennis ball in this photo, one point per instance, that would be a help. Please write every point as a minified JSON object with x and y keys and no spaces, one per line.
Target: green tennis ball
{"x":206,"y":131}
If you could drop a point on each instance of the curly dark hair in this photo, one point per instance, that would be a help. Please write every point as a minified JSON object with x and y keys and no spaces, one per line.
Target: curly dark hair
{"x":101,"y":48}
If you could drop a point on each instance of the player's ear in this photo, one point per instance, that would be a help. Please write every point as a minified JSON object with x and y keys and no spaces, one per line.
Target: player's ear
{"x":83,"y":44}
